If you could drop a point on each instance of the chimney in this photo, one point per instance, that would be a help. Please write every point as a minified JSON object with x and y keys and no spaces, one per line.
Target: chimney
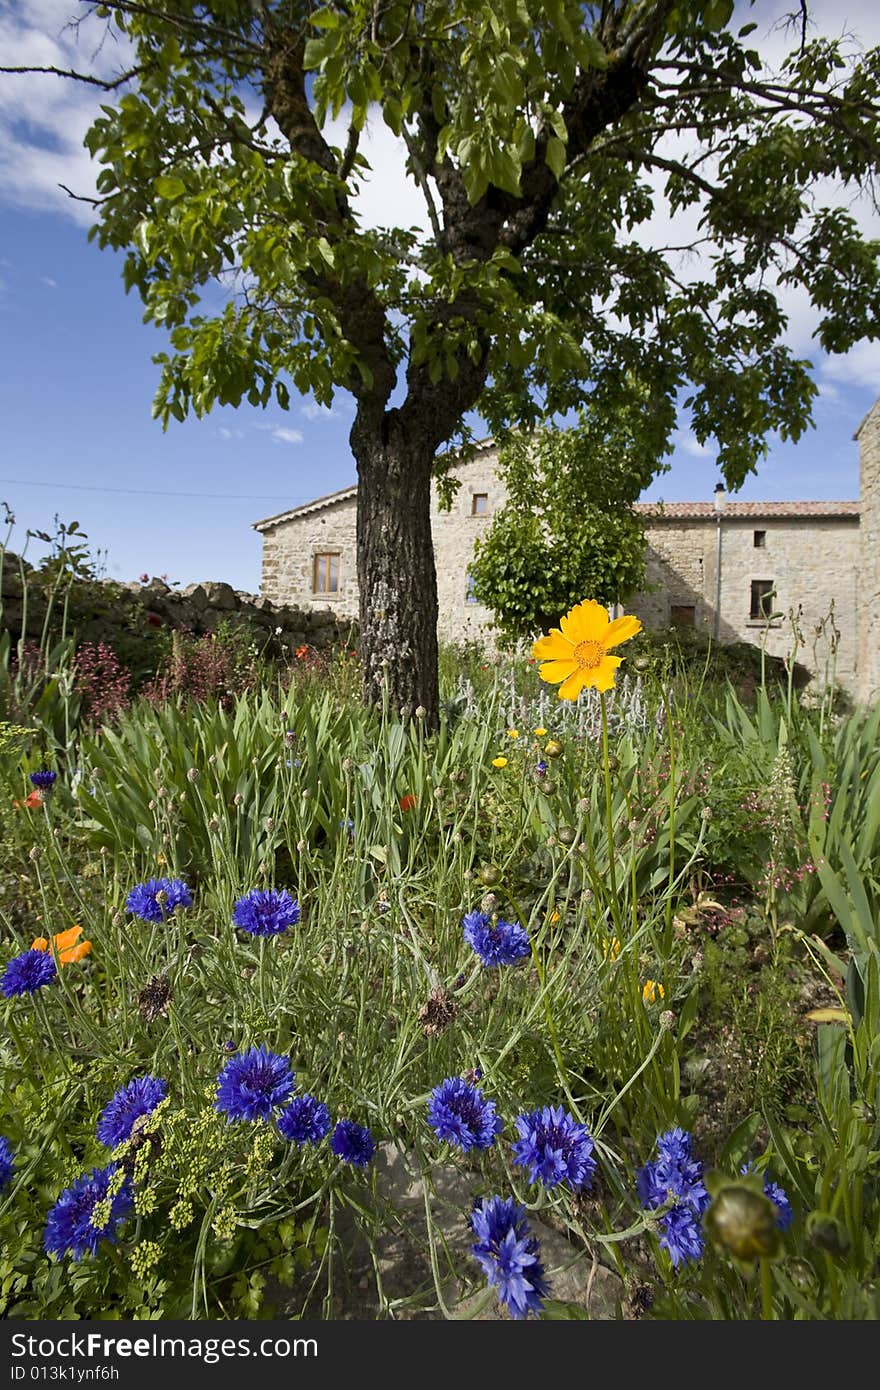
{"x":720,"y":497}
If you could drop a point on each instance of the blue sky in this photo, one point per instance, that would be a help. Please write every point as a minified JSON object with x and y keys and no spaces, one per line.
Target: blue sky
{"x":77,"y":380}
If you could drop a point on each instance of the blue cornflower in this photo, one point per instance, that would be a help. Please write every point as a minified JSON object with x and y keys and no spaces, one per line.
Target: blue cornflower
{"x":509,"y":1252}
{"x":138,"y":1097}
{"x":541,"y":768}
{"x":347,"y":824}
{"x":70,"y":1228}
{"x":353,"y":1143}
{"x":778,"y":1196}
{"x":460,"y":1114}
{"x":676,"y":1174}
{"x":682,"y":1235}
{"x":143,"y":900}
{"x":266,"y":911}
{"x":43,"y":781}
{"x":305,"y":1121}
{"x":27,"y":973}
{"x":253,"y":1084}
{"x":554,"y":1148}
{"x":7,"y":1161}
{"x":498,"y":943}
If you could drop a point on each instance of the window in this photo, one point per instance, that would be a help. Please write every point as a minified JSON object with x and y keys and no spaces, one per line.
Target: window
{"x":470,"y":594}
{"x":682,"y":614}
{"x":326,"y":574}
{"x":759,"y":539}
{"x":763,"y":594}
{"x":480,"y":504}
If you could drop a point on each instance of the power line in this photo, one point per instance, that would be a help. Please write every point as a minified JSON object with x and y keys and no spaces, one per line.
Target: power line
{"x":157,"y":492}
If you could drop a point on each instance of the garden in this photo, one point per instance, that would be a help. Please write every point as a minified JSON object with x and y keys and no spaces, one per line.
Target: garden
{"x":567,"y":1009}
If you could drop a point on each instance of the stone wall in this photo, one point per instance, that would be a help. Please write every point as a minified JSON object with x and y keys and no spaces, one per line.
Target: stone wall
{"x":293,"y":539}
{"x":104,"y":611}
{"x":812,"y":562}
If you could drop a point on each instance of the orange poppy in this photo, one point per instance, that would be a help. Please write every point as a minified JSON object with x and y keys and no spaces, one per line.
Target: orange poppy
{"x":32,"y":800}
{"x":407,"y":802}
{"x":65,"y":946}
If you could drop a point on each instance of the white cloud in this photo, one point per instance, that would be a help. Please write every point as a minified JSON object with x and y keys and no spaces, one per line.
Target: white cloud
{"x":47,"y":280}
{"x":859,"y":367}
{"x":282,"y":435}
{"x":225,"y":433}
{"x":692,"y":445}
{"x":342,"y":406}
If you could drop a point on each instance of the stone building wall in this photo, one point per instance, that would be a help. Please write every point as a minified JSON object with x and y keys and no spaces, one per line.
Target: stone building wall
{"x":815,"y":554}
{"x":811,"y":560}
{"x":293,"y":539}
{"x":868,"y":436}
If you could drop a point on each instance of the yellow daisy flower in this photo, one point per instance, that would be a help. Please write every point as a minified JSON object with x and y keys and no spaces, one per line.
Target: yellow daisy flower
{"x":513,"y":733}
{"x":499,"y":762}
{"x":653,"y":991}
{"x":575,"y":654}
{"x":540,"y":732}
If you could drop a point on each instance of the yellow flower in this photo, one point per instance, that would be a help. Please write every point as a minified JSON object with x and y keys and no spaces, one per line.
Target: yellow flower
{"x":611,"y":949}
{"x":513,"y":733}
{"x":653,"y":991}
{"x":160,"y":859}
{"x":499,"y":762}
{"x":553,"y":918}
{"x":575,"y":654}
{"x":540,"y":733}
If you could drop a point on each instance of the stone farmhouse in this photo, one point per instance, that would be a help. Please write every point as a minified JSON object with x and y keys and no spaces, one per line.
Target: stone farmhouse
{"x":735,"y":570}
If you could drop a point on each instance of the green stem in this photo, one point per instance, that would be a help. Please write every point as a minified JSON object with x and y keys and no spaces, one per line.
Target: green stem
{"x":767,"y":1314}
{"x":609,"y":817}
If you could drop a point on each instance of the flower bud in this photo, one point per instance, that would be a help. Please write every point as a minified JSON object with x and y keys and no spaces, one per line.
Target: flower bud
{"x":193,"y":774}
{"x":827,"y":1234}
{"x":552,"y":748}
{"x":489,"y":875}
{"x":741,"y":1219}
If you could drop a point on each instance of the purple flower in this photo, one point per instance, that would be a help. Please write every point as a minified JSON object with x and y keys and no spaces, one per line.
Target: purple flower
{"x":139,"y":1097}
{"x":27,"y":973}
{"x":43,"y":781}
{"x":353,"y":1143}
{"x":158,"y":898}
{"x":7,"y":1161}
{"x":305,"y":1121}
{"x":71,"y":1226}
{"x":509,"y":1253}
{"x":266,"y":911}
{"x":498,"y":943}
{"x":554,"y":1148}
{"x":682,"y":1235}
{"x":253,"y":1084}
{"x":458,"y":1113}
{"x":677,"y":1177}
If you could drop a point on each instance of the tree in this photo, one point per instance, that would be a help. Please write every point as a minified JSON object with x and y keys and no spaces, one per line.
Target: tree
{"x":567,"y":528}
{"x":533,"y":128}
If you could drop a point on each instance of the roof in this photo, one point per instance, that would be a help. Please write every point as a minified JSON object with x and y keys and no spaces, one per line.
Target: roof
{"x":326,"y":501}
{"x":703,"y":511}
{"x":342,"y":495}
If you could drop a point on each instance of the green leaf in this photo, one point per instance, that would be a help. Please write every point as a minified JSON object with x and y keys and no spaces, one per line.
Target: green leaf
{"x":555,"y":156}
{"x":169,"y":186}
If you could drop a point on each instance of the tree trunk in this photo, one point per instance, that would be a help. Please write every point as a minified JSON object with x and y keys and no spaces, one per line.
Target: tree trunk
{"x":395,"y":565}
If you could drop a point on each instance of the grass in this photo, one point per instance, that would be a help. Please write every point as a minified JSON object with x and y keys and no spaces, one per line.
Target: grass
{"x":654,"y":851}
